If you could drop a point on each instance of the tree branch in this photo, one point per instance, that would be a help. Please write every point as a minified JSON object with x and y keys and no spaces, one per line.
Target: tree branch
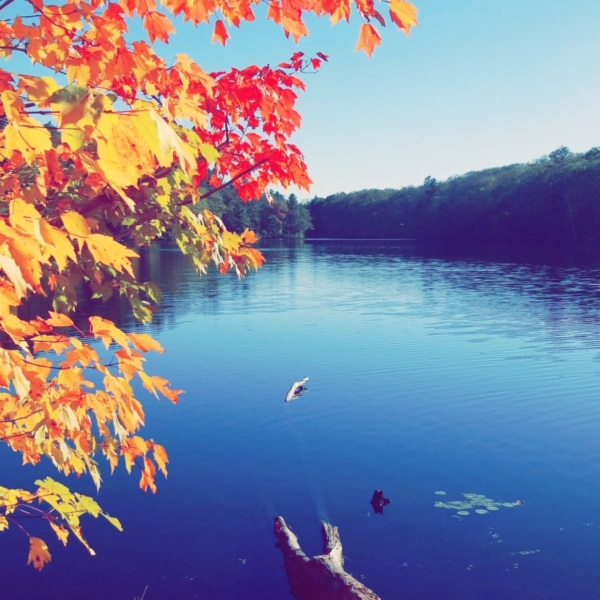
{"x":13,"y":47}
{"x":230,"y":182}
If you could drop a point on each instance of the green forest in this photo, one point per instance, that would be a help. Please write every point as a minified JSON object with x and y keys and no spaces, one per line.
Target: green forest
{"x":277,"y":217}
{"x":554,"y":199}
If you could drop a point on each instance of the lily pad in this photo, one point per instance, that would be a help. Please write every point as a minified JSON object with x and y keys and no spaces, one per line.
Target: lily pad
{"x":482,"y":504}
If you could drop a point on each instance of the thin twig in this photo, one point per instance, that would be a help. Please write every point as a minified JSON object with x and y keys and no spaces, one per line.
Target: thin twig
{"x":230,"y":182}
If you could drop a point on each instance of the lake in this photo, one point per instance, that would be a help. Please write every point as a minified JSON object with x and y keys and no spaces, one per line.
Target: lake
{"x":464,"y":372}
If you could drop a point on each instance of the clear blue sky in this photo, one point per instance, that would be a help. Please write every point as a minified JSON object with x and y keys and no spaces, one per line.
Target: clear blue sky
{"x":478,"y":84}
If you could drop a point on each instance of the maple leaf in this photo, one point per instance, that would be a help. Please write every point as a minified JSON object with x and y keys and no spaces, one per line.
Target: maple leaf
{"x":158,"y":26}
{"x":38,"y":553}
{"x":404,"y":14}
{"x":220,"y":33}
{"x":144,"y":342}
{"x":28,"y":137}
{"x":80,"y":111}
{"x":368,"y":39}
{"x":76,"y":225}
{"x":161,"y":458}
{"x":107,"y":251}
{"x":58,"y":320}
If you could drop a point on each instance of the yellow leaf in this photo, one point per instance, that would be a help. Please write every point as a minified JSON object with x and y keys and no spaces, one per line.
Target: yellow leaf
{"x":59,"y":241}
{"x":52,"y":487}
{"x":88,"y":504}
{"x":107,"y":251}
{"x":107,"y":331}
{"x":75,"y":224}
{"x":38,"y":89}
{"x":161,"y":458}
{"x":22,"y":215}
{"x":123,"y":154}
{"x":145,"y":342}
{"x":61,"y":533}
{"x":58,"y":320}
{"x":113,"y":521}
{"x":94,"y":166}
{"x":8,"y":296}
{"x":147,"y":382}
{"x":404,"y":14}
{"x":38,"y":553}
{"x":209,"y":152}
{"x":77,"y":531}
{"x":12,"y":271}
{"x":3,"y":523}
{"x":30,"y":139}
{"x":22,"y":133}
{"x":27,"y":254}
{"x":171,"y":143}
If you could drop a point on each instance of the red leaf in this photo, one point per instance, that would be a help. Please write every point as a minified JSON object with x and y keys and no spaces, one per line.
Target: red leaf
{"x":378,"y":16}
{"x":220,"y":33}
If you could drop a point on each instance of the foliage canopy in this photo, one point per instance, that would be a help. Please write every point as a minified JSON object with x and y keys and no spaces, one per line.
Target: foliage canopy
{"x":104,"y":153}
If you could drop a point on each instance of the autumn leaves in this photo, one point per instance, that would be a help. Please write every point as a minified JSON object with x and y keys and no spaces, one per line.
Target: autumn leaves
{"x":402,"y":13}
{"x":115,"y":159}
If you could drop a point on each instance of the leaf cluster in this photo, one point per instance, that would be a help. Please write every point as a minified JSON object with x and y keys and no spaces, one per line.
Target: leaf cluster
{"x":108,"y":150}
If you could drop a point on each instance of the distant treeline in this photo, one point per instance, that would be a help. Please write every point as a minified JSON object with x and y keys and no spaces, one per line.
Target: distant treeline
{"x":553,"y":199}
{"x":283,"y":217}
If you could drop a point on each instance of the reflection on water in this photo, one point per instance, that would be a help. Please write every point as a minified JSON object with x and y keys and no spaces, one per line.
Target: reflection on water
{"x":430,"y":370}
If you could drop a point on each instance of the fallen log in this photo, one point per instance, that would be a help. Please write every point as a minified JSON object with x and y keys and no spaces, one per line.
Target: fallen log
{"x":320,"y":577}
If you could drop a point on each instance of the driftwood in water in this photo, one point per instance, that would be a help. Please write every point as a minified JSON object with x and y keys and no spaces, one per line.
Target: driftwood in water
{"x":296,"y":389}
{"x":320,"y":577}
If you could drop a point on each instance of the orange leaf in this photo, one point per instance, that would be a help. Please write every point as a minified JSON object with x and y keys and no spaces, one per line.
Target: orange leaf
{"x":107,"y":331}
{"x":58,"y":320}
{"x":368,"y":39}
{"x":162,"y":385}
{"x":14,"y":274}
{"x":249,"y":237}
{"x":144,"y":342}
{"x":160,"y":458}
{"x":220,"y":33}
{"x":38,"y":553}
{"x":158,"y":26}
{"x":58,"y":240}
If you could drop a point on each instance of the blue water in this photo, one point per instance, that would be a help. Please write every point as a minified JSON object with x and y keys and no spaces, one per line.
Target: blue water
{"x":463,"y":372}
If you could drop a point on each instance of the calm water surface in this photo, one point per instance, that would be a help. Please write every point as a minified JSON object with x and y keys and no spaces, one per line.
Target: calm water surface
{"x":428,"y":372}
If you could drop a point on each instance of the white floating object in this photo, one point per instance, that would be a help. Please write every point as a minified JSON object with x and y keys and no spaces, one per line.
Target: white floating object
{"x":296,"y":389}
